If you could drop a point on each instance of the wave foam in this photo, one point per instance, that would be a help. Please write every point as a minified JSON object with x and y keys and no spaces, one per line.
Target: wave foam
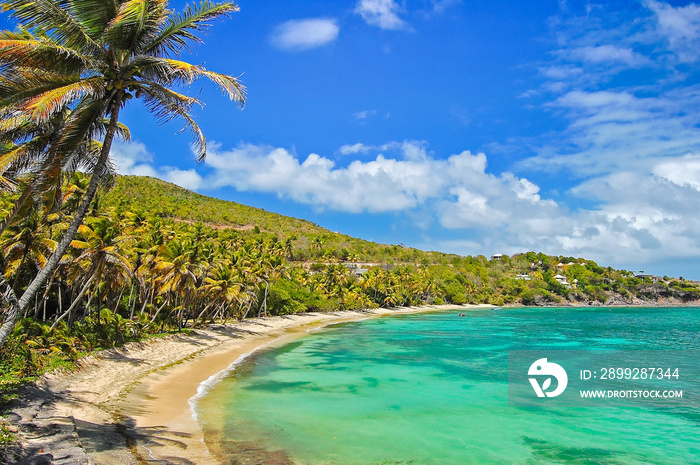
{"x":206,"y":385}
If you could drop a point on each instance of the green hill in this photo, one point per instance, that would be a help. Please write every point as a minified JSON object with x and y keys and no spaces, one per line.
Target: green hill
{"x":169,"y":201}
{"x":529,"y":278}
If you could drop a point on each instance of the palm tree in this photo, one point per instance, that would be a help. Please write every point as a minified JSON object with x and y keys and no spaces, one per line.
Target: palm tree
{"x":92,"y":56}
{"x":223,"y":287}
{"x":27,"y":242}
{"x":100,"y":257}
{"x":176,"y":272}
{"x":31,"y":162}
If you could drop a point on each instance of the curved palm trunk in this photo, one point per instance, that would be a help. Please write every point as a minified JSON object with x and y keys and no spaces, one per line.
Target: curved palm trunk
{"x":73,"y":305}
{"x":201,"y":314}
{"x":245,"y":315}
{"x":156,"y":315}
{"x":18,"y":307}
{"x":263,"y":305}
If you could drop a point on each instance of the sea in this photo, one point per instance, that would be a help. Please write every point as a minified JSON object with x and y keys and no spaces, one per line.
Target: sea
{"x":446,"y":388}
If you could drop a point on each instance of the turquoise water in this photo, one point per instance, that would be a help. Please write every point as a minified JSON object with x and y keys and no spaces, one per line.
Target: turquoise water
{"x":432,"y":388}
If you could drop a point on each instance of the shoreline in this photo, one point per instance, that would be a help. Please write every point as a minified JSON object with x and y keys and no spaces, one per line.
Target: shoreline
{"x":133,"y":405}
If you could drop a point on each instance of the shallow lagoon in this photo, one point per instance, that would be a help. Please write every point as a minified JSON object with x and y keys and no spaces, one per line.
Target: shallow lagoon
{"x":432,"y":388}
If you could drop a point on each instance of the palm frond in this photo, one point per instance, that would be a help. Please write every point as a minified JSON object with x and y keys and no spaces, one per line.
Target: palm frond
{"x":95,"y":15}
{"x":134,"y":23}
{"x":14,"y":124}
{"x":87,"y":159}
{"x":80,"y":125}
{"x":54,"y":16}
{"x":42,"y":54}
{"x":21,"y":157}
{"x":181,"y":29}
{"x":168,"y":71}
{"x":19,"y":84}
{"x":122,"y":131}
{"x":7,"y":184}
{"x":45,"y":105}
{"x":76,"y":244}
{"x":228,"y":84}
{"x":167,"y":104}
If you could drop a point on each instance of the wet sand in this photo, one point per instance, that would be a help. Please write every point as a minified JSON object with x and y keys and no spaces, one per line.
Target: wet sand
{"x":132,"y":405}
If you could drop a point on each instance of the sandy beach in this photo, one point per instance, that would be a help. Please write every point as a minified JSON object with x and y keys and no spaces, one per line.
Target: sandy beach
{"x":132,"y":405}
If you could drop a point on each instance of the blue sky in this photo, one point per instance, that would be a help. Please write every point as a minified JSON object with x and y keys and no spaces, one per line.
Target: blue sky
{"x":465,"y":126}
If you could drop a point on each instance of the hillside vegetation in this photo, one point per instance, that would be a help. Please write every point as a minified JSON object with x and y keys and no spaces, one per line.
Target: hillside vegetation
{"x":161,"y":199}
{"x":153,"y":258}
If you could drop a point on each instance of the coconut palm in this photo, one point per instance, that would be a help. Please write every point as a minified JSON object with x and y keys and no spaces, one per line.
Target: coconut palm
{"x":27,"y":242}
{"x":92,"y":56}
{"x":99,"y":263}
{"x":176,"y":272}
{"x":223,"y":287}
{"x":99,"y":245}
{"x":31,"y":162}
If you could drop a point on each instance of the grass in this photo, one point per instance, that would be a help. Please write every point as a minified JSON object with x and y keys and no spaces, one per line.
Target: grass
{"x":8,"y":434}
{"x":9,"y":442}
{"x":10,"y":386}
{"x":14,"y":377}
{"x":17,"y":372}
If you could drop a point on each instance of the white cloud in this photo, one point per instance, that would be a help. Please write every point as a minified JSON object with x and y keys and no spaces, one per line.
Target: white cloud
{"x":588,"y":100}
{"x":363,"y":115}
{"x":439,"y":6}
{"x":304,"y":34}
{"x":132,"y":158}
{"x":561,"y":72}
{"x":682,"y":171}
{"x":606,"y":54}
{"x":608,"y":130}
{"x":379,"y":185}
{"x":680,"y":26}
{"x":354,"y":149}
{"x":645,"y":215}
{"x":632,"y":139}
{"x":189,"y":179}
{"x":639,"y":221}
{"x":381,"y":13}
{"x":592,"y":49}
{"x":613,"y":122}
{"x":375,"y":186}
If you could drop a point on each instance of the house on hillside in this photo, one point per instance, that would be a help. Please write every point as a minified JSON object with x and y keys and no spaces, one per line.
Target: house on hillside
{"x":523,"y":277}
{"x":497,"y":256}
{"x":358,"y":269}
{"x":562,"y":280}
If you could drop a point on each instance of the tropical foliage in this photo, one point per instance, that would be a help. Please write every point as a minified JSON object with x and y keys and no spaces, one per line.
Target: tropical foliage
{"x":95,"y":271}
{"x":66,"y":74}
{"x":131,"y":272}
